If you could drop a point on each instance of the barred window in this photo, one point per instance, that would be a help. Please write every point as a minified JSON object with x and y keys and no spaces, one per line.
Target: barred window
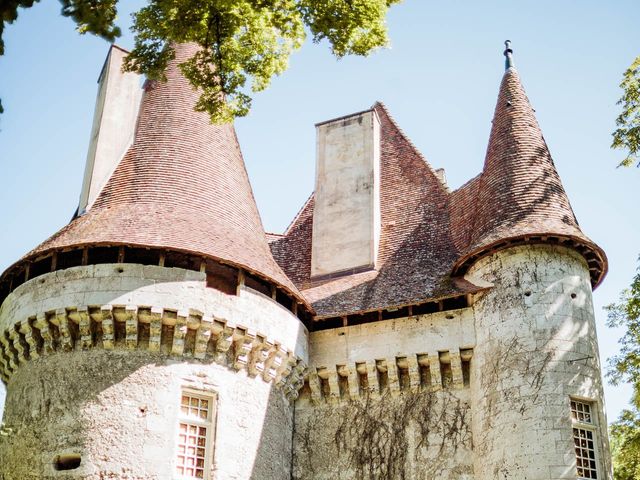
{"x":584,"y":439}
{"x":194,"y":446}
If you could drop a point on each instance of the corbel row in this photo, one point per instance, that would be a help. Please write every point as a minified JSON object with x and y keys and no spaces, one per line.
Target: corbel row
{"x":188,"y":334}
{"x":395,"y":375}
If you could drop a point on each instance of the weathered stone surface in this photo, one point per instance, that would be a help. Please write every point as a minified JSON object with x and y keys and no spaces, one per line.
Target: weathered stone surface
{"x":412,"y":436}
{"x":536,"y":347}
{"x":118,"y":409}
{"x":477,"y":393}
{"x":104,"y":380}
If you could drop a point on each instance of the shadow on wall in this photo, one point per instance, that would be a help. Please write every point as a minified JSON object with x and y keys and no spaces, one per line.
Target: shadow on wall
{"x":537,"y":363}
{"x":119,"y":410}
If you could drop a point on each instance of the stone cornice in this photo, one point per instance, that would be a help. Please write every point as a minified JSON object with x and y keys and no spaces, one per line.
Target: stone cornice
{"x":189,"y":335}
{"x":393,"y":375}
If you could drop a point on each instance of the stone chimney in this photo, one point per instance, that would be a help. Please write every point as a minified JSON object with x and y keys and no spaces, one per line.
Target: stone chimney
{"x":114,"y":125}
{"x":346,"y":220}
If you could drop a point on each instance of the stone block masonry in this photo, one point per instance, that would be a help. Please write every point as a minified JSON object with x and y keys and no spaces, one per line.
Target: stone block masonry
{"x":103,"y":381}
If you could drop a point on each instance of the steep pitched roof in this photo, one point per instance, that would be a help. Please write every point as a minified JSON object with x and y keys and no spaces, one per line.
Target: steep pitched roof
{"x":182,"y":186}
{"x":430,"y":236}
{"x":519,"y":194}
{"x":416,"y":250}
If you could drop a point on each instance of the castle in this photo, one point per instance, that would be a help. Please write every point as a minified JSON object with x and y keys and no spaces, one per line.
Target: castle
{"x":396,"y":329}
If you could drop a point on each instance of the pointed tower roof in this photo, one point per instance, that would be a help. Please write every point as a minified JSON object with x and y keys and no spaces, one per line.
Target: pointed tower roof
{"x":520,"y":198}
{"x":182,"y":186}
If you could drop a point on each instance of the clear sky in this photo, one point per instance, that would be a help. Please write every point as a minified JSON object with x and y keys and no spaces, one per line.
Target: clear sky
{"x":439,"y":79}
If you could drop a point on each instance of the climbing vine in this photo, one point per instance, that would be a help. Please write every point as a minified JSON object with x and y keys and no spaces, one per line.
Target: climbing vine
{"x":380,"y":438}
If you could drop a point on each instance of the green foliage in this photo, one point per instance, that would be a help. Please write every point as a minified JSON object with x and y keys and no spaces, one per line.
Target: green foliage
{"x":245,"y":40}
{"x":243,"y":43}
{"x":625,"y":367}
{"x":91,"y":16}
{"x":627,"y":135}
{"x":625,"y":445}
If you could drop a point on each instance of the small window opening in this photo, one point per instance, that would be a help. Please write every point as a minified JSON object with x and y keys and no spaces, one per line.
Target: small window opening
{"x":283,"y":299}
{"x":221,"y":277}
{"x":257,"y":284}
{"x":361,"y":318}
{"x":142,"y":256}
{"x":99,"y":255}
{"x":181,"y":260}
{"x":195,"y":430}
{"x":40,"y":267}
{"x":70,"y":461}
{"x":454,"y":303}
{"x":425,"y":308}
{"x":72,"y":258}
{"x":584,"y":439}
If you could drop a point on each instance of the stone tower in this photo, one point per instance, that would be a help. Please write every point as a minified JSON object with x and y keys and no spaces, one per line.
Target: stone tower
{"x":396,"y":329}
{"x":157,"y":316}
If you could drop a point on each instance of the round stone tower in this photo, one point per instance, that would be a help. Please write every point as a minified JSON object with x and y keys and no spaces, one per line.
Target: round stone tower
{"x":154,"y":337}
{"x":537,"y":408}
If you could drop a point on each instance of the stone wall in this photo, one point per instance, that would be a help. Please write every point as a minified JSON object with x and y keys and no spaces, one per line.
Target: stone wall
{"x":411,"y":436}
{"x":119,"y":411}
{"x":388,"y":400}
{"x":96,"y":357}
{"x":536,"y":348}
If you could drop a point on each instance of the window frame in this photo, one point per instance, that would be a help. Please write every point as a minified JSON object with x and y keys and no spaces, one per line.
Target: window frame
{"x":592,"y":426}
{"x":209,"y":423}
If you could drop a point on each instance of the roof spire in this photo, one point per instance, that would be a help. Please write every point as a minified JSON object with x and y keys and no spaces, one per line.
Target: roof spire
{"x":508,"y":53}
{"x":520,"y":194}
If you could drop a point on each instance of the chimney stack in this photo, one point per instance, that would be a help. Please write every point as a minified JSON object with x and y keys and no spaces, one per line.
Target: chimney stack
{"x":114,"y":123}
{"x":346,"y":220}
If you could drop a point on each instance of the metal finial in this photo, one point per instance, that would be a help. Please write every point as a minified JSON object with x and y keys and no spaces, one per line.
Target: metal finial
{"x":508,"y":53}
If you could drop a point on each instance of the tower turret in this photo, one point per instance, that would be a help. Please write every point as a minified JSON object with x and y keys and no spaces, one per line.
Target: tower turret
{"x":537,"y":394}
{"x":155,"y":336}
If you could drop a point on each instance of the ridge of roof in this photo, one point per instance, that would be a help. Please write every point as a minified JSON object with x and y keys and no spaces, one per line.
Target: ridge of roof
{"x":416,"y":251}
{"x":182,"y":185}
{"x":300,"y":212}
{"x":392,"y":120}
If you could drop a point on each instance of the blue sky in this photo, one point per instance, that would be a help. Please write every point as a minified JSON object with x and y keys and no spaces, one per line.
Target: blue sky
{"x":439,"y":80}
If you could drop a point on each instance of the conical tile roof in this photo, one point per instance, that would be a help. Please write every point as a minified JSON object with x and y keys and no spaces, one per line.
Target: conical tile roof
{"x":181,"y":186}
{"x":519,"y":193}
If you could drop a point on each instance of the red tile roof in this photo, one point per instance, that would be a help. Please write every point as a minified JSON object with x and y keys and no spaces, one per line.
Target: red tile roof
{"x":416,"y":249}
{"x":430,"y":236}
{"x":519,"y":193}
{"x":181,"y":186}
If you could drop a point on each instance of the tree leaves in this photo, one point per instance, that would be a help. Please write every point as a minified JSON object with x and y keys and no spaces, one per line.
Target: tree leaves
{"x":627,"y":135}
{"x":244,"y":43}
{"x":625,"y":432}
{"x":626,"y":313}
{"x":351,"y":26}
{"x":625,"y":445}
